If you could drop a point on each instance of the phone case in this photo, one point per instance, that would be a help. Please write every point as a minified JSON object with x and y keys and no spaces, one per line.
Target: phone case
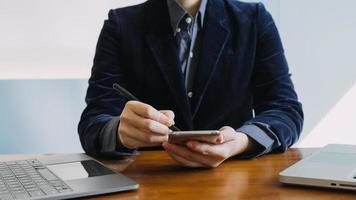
{"x":183,"y":139}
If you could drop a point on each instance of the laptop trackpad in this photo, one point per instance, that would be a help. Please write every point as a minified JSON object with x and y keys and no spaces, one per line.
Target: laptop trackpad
{"x":335,"y":158}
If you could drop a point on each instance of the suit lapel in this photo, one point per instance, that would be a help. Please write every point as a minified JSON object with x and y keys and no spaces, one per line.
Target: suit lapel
{"x":215,"y":37}
{"x":161,"y":43}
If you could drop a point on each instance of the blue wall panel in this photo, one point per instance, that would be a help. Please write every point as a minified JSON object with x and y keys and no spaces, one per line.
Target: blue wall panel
{"x":40,"y":116}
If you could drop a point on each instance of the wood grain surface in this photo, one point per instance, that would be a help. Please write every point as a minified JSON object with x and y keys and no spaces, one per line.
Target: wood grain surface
{"x":162,"y":178}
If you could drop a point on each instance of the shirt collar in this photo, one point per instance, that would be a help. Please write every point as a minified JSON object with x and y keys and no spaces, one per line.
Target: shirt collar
{"x":177,"y":12}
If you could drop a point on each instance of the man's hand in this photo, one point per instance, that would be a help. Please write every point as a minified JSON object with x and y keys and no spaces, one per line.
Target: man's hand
{"x":143,"y":126}
{"x":199,"y":154}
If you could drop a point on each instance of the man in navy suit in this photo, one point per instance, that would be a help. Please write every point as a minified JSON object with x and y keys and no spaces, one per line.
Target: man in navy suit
{"x":198,"y":64}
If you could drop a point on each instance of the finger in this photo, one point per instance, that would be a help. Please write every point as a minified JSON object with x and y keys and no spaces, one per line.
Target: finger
{"x":166,"y":118}
{"x":131,"y":143}
{"x":154,"y":141}
{"x":187,"y":154}
{"x":147,"y":111}
{"x":170,"y":114}
{"x":145,"y":124}
{"x":183,"y":161}
{"x":211,"y":140}
{"x":218,"y":151}
{"x":146,"y":138}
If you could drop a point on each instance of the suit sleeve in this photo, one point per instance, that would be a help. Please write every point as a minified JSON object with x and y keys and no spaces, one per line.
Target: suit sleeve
{"x":100,"y":119}
{"x":279,"y":116}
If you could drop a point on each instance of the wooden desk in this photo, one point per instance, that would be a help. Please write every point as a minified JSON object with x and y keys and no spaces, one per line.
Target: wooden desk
{"x":162,"y":178}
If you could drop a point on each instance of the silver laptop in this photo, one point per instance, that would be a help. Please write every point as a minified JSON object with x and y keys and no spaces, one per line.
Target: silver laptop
{"x":334,"y":166}
{"x":59,"y":177}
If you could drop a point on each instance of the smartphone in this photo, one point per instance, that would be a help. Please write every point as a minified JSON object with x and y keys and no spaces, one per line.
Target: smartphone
{"x":182,"y":137}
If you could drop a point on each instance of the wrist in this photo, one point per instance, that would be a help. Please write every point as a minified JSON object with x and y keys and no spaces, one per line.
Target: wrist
{"x":244,"y":144}
{"x":250,"y":145}
{"x":119,"y":140}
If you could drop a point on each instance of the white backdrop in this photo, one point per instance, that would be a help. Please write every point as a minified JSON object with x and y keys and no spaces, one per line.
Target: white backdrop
{"x":51,"y":39}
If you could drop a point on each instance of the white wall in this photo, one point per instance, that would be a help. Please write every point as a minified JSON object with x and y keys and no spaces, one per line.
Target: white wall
{"x":337,"y":127}
{"x":51,"y":38}
{"x":319,"y":39}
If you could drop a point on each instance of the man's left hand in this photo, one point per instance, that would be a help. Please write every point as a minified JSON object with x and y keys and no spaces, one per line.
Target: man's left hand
{"x":200,"y":154}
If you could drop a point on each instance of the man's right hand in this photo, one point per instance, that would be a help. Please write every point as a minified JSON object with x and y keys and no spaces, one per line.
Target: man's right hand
{"x":141,"y":125}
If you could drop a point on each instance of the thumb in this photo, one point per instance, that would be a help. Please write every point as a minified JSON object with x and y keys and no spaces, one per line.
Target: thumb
{"x":170,"y":115}
{"x":228,"y":133}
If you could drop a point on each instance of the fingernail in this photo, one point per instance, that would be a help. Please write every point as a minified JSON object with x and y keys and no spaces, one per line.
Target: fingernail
{"x":164,"y":144}
{"x":167,"y":130}
{"x":166,"y":147}
{"x":190,"y":144}
{"x":170,"y":122}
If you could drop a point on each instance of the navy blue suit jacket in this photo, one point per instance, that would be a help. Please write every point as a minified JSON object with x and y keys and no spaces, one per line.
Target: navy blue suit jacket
{"x":242,"y":76}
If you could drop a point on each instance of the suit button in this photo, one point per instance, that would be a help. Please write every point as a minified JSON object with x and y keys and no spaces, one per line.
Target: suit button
{"x":188,"y":20}
{"x":190,"y":94}
{"x":191,"y":54}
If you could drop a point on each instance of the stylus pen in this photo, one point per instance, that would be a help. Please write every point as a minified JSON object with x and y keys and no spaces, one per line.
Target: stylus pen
{"x":131,"y":97}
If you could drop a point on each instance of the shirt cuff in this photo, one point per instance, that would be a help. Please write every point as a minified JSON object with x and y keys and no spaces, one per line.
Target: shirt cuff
{"x":110,"y":144}
{"x":263,"y":135}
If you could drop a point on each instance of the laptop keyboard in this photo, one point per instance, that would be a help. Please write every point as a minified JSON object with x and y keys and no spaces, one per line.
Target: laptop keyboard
{"x":28,"y":179}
